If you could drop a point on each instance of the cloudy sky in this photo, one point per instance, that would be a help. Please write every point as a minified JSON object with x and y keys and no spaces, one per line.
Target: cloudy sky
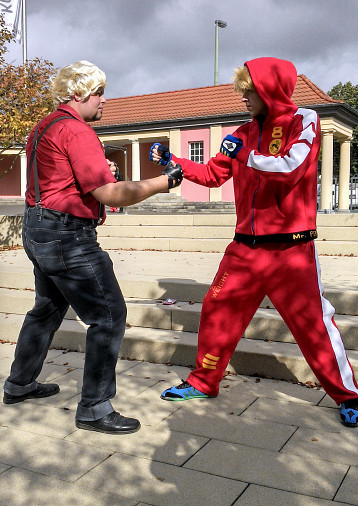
{"x":149,"y":46}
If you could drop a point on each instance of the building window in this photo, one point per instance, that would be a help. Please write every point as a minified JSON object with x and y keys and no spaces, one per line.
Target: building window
{"x":196,"y":152}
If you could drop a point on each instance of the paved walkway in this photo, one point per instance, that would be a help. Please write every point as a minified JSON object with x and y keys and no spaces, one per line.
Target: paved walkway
{"x":260,"y":442}
{"x":338,"y":272}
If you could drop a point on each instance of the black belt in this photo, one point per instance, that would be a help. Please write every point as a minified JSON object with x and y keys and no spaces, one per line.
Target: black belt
{"x":306,"y":235}
{"x":51,"y":214}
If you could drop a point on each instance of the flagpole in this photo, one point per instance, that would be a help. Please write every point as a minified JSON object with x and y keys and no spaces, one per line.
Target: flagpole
{"x":24,"y":31}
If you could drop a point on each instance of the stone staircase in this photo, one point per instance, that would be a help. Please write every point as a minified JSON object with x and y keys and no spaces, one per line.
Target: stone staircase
{"x":168,"y":333}
{"x":174,"y":250}
{"x":210,"y":231}
{"x":163,"y":203}
{"x":168,"y":222}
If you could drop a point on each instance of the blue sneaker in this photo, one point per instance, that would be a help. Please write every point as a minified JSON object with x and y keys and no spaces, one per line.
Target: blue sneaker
{"x":183,"y":392}
{"x":349,"y":413}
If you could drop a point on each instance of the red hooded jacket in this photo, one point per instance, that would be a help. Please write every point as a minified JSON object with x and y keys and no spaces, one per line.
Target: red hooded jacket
{"x":275,"y":173}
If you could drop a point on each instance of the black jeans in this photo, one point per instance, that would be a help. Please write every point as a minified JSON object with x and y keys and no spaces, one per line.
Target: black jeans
{"x":70,"y":269}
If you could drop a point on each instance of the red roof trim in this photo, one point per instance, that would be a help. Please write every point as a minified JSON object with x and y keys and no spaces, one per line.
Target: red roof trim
{"x":195,"y":103}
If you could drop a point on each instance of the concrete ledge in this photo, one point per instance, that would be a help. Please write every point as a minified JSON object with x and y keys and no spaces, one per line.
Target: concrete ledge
{"x":140,"y":243}
{"x":205,"y":232}
{"x":338,"y":234}
{"x":139,"y":220}
{"x":168,"y":333}
{"x":337,"y":220}
{"x":178,"y":231}
{"x":278,"y":360}
{"x":274,"y":360}
{"x":343,"y":248}
{"x":16,"y":294}
{"x":10,"y":230}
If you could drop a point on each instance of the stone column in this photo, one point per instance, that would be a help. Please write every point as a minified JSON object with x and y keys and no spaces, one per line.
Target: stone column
{"x":215,"y":142}
{"x":174,"y":147}
{"x":23,"y":175}
{"x":344,"y":175}
{"x":135,"y":160}
{"x":327,"y":171}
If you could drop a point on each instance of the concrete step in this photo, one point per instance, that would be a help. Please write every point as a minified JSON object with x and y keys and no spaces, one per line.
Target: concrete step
{"x":194,"y":231}
{"x":169,"y":202}
{"x":266,"y":325}
{"x":349,"y":234}
{"x":161,"y":244}
{"x":282,"y":361}
{"x":345,"y":248}
{"x":161,"y":333}
{"x":337,"y":219}
{"x":346,"y":221}
{"x":16,"y":294}
{"x":337,"y":234}
{"x":170,"y":231}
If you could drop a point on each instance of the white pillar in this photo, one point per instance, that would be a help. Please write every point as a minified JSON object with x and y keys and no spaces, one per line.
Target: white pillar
{"x":344,"y":175}
{"x":175,"y":147}
{"x":327,"y":171}
{"x":23,"y":175}
{"x":135,"y":160}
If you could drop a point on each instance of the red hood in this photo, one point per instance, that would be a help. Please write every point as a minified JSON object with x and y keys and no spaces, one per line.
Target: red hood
{"x":274,"y":81}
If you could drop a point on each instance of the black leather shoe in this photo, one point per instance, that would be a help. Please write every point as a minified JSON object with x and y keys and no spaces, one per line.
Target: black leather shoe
{"x":114,"y":423}
{"x":42,"y":390}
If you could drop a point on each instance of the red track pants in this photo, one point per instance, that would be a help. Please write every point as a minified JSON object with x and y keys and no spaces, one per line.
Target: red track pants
{"x":290,"y":275}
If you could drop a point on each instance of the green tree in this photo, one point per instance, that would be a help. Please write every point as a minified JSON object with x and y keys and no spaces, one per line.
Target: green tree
{"x":24,"y":97}
{"x":349,"y":93}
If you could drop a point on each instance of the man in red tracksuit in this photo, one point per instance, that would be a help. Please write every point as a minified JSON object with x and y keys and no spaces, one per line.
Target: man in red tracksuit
{"x":273,"y":162}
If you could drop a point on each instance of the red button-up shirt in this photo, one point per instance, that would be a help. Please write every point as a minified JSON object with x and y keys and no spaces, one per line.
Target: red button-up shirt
{"x":71,"y":163}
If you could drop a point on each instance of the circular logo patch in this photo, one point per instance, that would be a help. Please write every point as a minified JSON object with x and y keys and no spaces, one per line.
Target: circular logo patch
{"x":275,"y":146}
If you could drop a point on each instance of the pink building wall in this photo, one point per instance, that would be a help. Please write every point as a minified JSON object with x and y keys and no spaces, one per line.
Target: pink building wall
{"x":194,"y":192}
{"x":191,"y":191}
{"x":10,"y":183}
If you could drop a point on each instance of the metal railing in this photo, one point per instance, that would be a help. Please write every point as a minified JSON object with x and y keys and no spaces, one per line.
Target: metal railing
{"x":353,"y":194}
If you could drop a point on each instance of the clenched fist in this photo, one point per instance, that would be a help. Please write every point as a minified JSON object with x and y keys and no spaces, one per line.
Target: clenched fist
{"x":174,"y":173}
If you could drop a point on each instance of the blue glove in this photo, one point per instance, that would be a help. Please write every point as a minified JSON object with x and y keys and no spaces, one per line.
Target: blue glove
{"x":163,"y":150}
{"x":230,"y":146}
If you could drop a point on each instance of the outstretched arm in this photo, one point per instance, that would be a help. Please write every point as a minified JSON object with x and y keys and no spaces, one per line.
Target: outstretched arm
{"x":127,"y":193}
{"x":212,"y":174}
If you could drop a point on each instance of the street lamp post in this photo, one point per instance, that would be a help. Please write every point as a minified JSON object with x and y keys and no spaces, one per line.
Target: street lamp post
{"x":218,"y":24}
{"x":24,"y":32}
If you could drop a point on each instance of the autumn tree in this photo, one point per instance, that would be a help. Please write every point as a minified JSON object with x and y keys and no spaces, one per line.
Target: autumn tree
{"x":24,"y":96}
{"x":349,"y":93}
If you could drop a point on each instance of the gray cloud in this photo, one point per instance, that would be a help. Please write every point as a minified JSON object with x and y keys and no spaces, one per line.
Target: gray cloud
{"x":149,"y":46}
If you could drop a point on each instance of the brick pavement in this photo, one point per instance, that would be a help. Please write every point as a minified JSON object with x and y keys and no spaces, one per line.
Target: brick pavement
{"x":261,"y":441}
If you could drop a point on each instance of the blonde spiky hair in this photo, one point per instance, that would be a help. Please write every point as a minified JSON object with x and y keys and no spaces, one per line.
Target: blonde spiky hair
{"x":242,"y":80}
{"x":81,"y":78}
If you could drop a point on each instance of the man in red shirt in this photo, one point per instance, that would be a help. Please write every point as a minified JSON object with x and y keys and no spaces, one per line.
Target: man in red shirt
{"x":272,"y":160}
{"x":69,"y":183}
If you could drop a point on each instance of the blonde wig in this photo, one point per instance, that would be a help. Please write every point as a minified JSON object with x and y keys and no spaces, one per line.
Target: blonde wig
{"x":81,"y":78}
{"x":242,"y":80}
